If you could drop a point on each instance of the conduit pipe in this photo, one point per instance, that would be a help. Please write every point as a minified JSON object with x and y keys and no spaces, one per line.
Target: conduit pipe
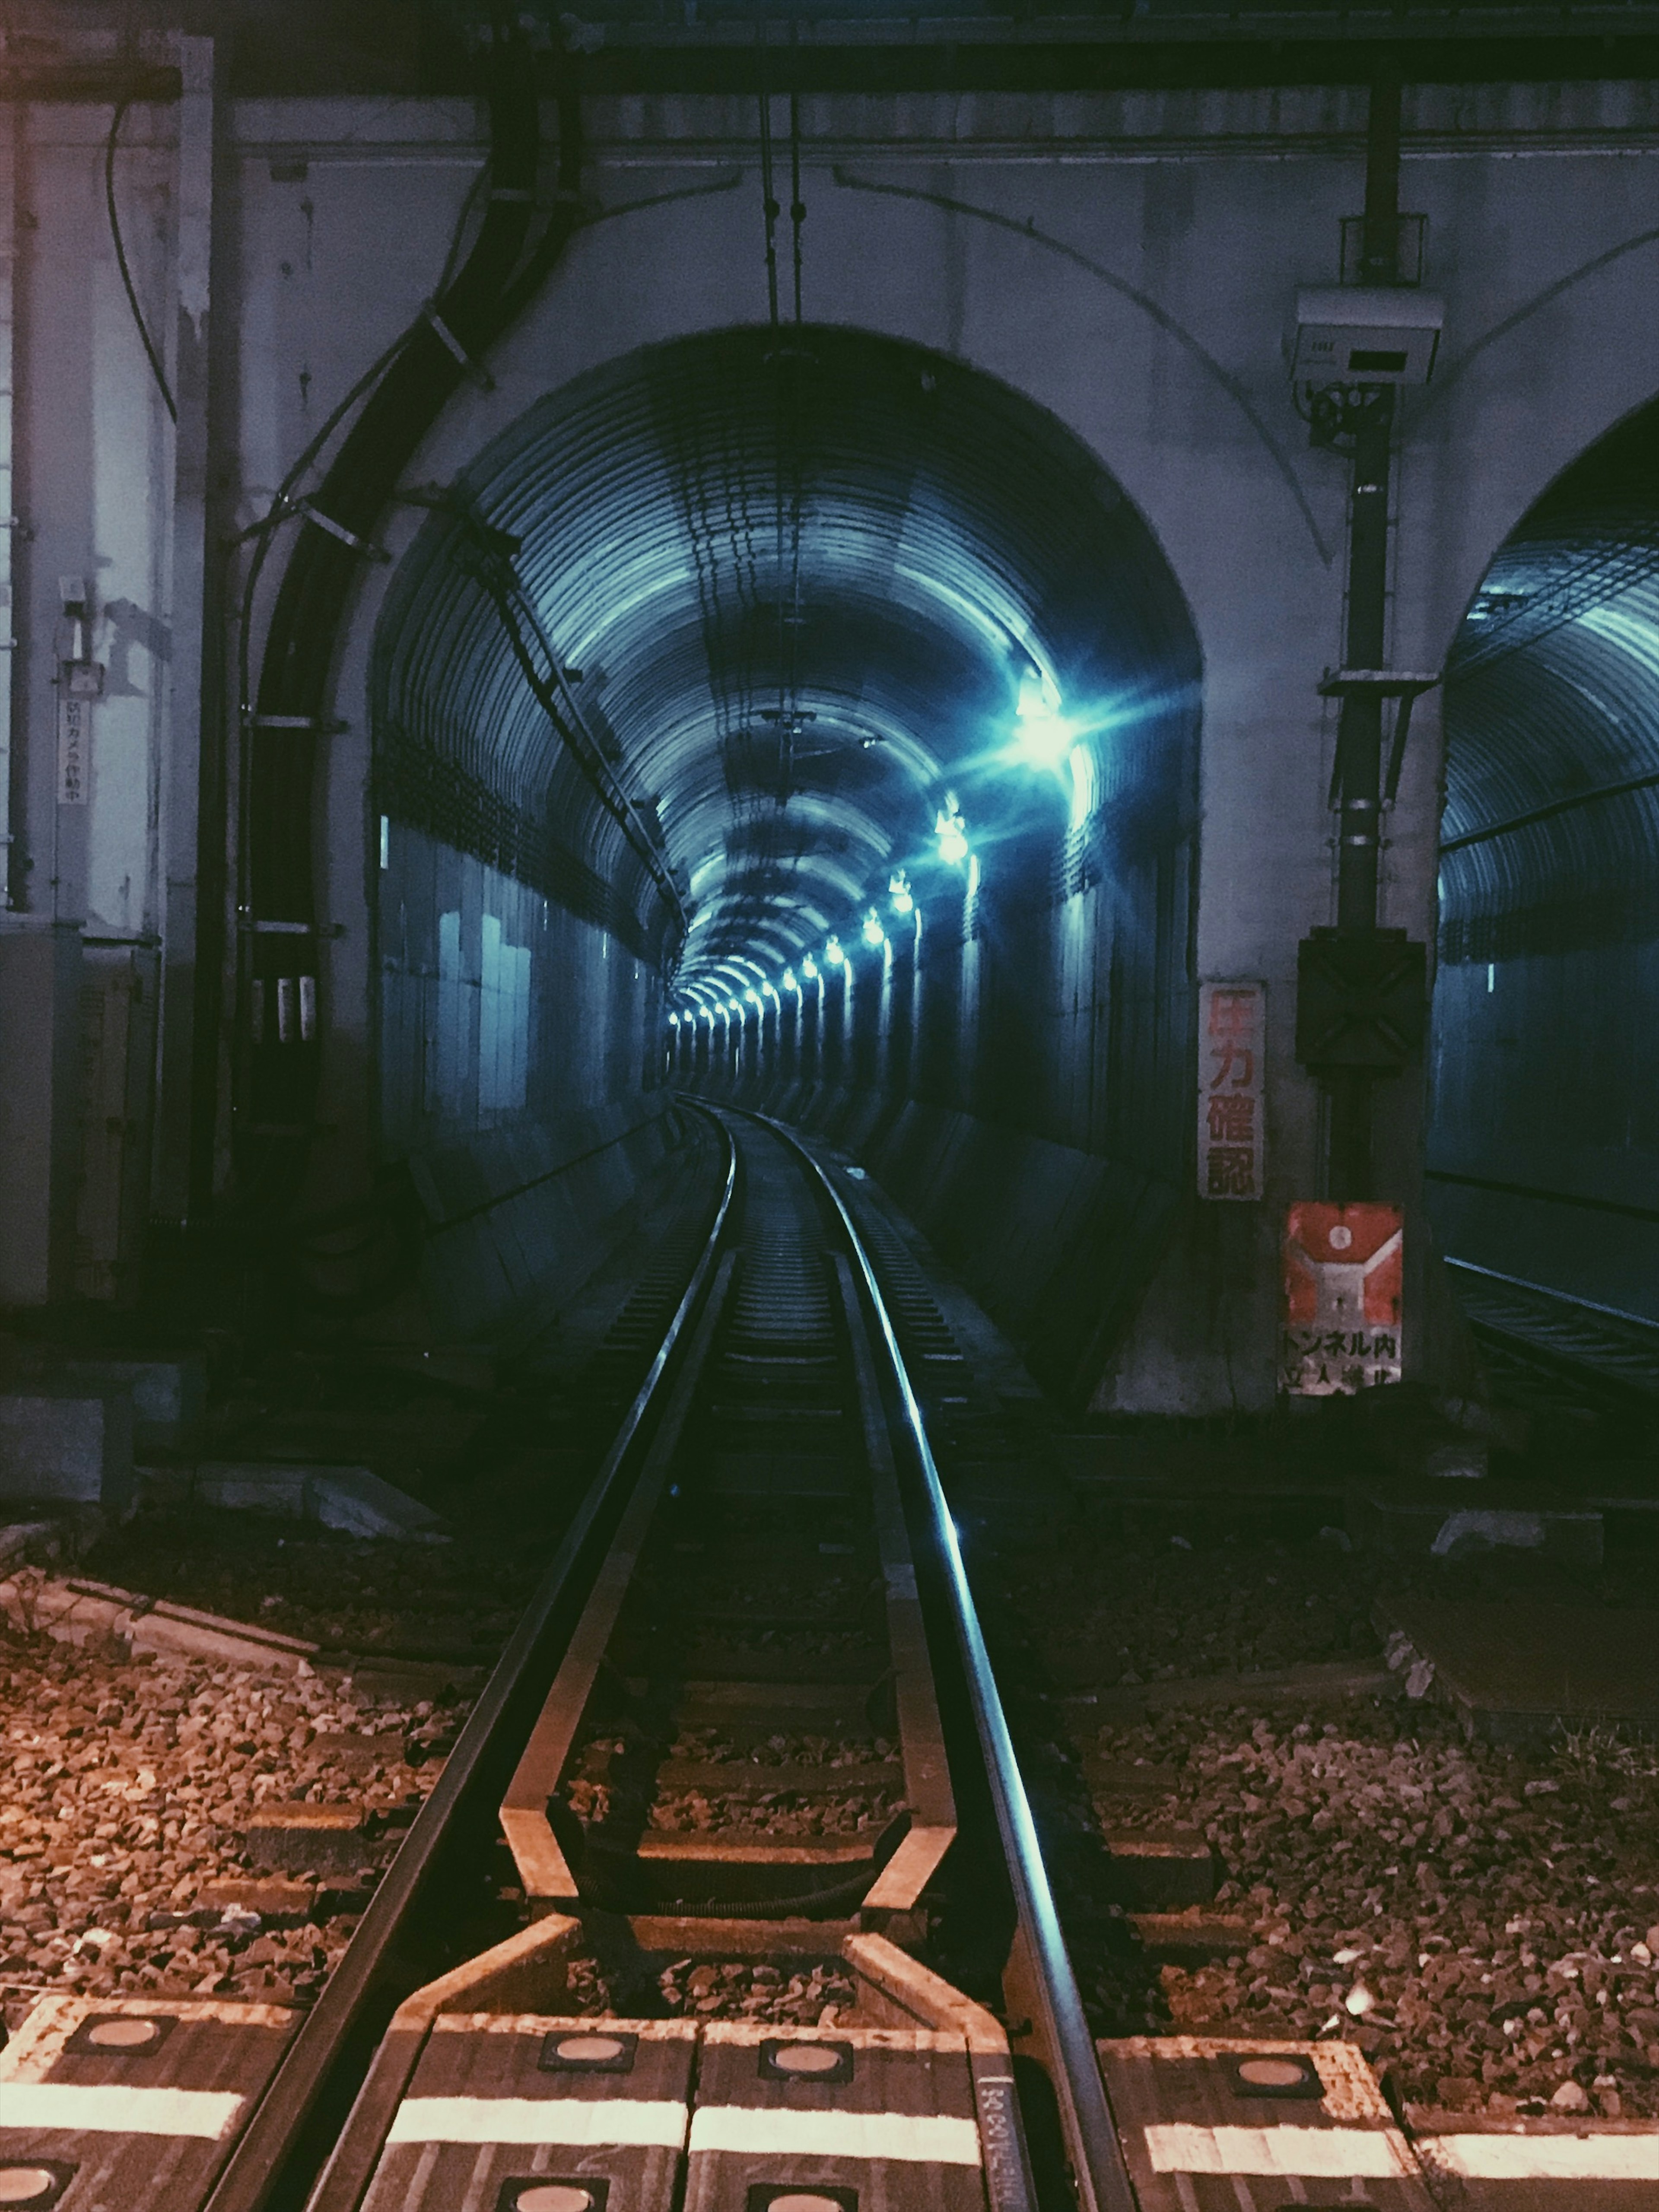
{"x":291,"y":715}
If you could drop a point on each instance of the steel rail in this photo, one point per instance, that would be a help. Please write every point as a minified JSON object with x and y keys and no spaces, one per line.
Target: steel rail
{"x":1099,"y":2170}
{"x":258,"y":2164}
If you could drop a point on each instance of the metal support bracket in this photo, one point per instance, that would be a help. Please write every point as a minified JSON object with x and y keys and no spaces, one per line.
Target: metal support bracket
{"x":363,"y":545}
{"x":1405,"y":686}
{"x":440,"y":330}
{"x":312,"y":722}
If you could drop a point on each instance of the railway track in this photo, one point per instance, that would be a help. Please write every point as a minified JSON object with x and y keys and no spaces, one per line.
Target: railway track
{"x":730,"y":1893}
{"x":743,"y":1749}
{"x":1568,"y":1349}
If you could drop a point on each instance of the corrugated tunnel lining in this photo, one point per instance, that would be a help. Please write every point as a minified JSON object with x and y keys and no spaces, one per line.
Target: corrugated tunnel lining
{"x":1551,"y":831}
{"x":672,"y":515}
{"x":1544,"y":1148}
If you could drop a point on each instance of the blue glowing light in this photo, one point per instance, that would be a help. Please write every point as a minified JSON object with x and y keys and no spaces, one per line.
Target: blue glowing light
{"x":833,"y":953}
{"x":899,"y":889}
{"x":952,"y":832}
{"x":1043,"y":735}
{"x":808,"y":967}
{"x":874,"y":934}
{"x":789,"y":982}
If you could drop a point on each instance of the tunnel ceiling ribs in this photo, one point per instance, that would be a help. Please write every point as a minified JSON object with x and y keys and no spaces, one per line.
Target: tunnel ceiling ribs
{"x":1550,"y":833}
{"x":787,"y":732}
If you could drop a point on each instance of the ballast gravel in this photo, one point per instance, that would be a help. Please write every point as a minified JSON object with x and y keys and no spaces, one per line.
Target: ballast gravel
{"x":1484,"y":1926}
{"x":131,"y":1785}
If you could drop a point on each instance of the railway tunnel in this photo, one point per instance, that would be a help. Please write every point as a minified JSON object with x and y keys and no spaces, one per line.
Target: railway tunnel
{"x":876,"y":726}
{"x":1543,"y":1135}
{"x":811,"y":1398}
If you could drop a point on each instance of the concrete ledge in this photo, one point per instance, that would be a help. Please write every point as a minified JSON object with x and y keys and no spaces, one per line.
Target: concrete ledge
{"x":1454,"y":1520}
{"x":349,"y":1499}
{"x":169,"y":1397}
{"x":71,"y":1445}
{"x":76,"y":1612}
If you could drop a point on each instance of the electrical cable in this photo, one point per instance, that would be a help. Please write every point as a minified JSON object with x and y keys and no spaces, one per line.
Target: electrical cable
{"x":150,"y":353}
{"x":796,"y":205}
{"x":768,"y":196}
{"x":277,"y":1085}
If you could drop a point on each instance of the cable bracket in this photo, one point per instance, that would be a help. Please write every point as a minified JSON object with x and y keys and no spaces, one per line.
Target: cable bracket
{"x":312,"y":722}
{"x":440,"y":330}
{"x":366,"y":546}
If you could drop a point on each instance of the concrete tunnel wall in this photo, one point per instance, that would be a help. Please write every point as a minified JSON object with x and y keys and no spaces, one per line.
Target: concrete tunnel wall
{"x":1029,"y":270}
{"x":1125,"y":261}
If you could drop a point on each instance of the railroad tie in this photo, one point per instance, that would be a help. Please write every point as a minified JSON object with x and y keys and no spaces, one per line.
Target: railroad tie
{"x":827,"y":2120}
{"x":1480,"y":2162}
{"x":1213,"y":2124}
{"x":517,"y":2113}
{"x":133,"y":2102}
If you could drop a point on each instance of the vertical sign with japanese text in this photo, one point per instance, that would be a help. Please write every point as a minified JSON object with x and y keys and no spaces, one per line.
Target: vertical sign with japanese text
{"x":73,"y":746}
{"x":1233,"y":1041}
{"x":1344,"y":1278}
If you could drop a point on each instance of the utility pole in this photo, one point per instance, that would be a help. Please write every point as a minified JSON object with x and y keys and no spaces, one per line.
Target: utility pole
{"x":1360,"y":1013}
{"x":1359,"y":731}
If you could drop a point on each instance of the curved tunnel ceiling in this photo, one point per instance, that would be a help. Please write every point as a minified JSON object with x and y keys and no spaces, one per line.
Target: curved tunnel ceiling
{"x":1544,"y":1146}
{"x":1553,"y":714}
{"x":799,"y":579}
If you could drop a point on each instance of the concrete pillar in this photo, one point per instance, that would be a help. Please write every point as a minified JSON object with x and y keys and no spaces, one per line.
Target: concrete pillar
{"x":39,"y":1105}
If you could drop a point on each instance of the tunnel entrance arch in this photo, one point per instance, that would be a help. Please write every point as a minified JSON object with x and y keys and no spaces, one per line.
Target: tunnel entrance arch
{"x":1544,"y":1131}
{"x":686,"y":674}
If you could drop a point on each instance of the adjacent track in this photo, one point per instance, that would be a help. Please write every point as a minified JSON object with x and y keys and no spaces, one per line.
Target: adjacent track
{"x":1612,"y":1357}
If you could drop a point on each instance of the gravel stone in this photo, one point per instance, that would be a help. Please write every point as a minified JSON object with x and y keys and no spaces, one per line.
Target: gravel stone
{"x":131,"y":1785}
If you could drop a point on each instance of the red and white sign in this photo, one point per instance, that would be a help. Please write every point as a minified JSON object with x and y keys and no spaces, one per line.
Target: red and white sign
{"x":1343,"y":1280}
{"x":1232,"y":1050}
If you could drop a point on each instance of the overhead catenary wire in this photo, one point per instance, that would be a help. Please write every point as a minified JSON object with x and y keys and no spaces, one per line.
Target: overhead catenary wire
{"x":151,"y":353}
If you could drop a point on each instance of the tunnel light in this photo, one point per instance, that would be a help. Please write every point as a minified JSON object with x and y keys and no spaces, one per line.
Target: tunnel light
{"x":874,"y":935}
{"x":1043,"y":735}
{"x":808,"y":967}
{"x":899,"y":888}
{"x":789,"y":982}
{"x":951,"y":831}
{"x":833,"y":953}
{"x":673,"y":1021}
{"x":753,"y":997}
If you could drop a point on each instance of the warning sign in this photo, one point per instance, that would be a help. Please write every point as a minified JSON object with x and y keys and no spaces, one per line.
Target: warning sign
{"x":1232,"y":1041}
{"x":1343,"y":1280}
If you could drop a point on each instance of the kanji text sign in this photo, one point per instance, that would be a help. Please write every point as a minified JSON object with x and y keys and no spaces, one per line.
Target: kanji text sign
{"x":1232,"y":1043}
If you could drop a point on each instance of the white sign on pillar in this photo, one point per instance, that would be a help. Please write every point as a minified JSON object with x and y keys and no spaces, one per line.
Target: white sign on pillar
{"x":74,"y":746}
{"x":1232,"y":1043}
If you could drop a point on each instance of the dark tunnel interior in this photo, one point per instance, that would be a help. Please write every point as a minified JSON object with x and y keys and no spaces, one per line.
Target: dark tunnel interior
{"x":839,"y":684}
{"x":1544,"y":1147}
